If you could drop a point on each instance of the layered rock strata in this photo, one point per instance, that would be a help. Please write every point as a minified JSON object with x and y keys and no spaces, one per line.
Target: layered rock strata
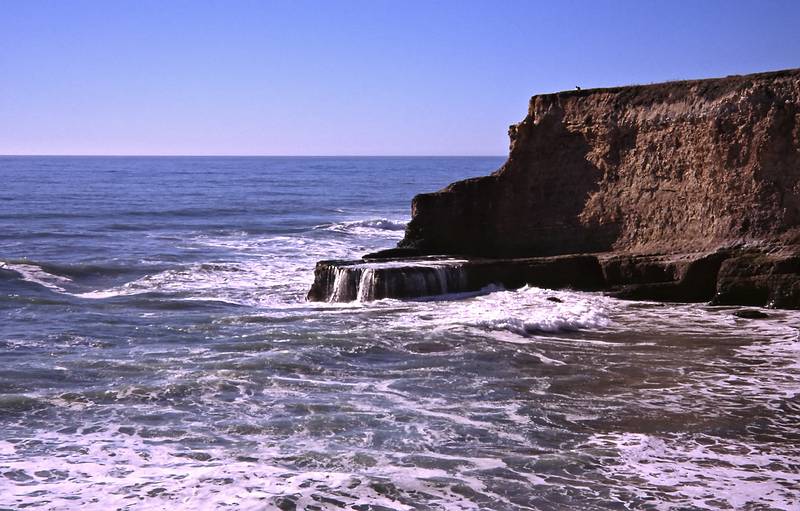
{"x":667,"y":168}
{"x":682,"y":191}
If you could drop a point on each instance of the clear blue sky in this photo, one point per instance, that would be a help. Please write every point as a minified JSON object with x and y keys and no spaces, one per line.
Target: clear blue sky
{"x":345,"y":77}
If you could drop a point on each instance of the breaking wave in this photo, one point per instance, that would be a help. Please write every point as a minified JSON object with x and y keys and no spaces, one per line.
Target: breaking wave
{"x":524,"y":312}
{"x":376,"y":226}
{"x":35,"y":274}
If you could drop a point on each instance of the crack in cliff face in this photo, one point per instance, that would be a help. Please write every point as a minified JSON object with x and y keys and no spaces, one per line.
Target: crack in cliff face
{"x":666,"y":168}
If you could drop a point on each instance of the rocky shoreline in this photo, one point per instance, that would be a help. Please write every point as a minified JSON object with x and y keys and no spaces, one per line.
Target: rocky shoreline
{"x":682,"y":191}
{"x":726,"y":277}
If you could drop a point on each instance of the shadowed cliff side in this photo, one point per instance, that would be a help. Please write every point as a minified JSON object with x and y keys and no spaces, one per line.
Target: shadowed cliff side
{"x":668,"y":168}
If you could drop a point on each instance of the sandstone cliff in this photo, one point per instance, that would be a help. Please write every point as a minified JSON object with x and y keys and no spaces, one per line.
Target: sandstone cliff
{"x":683,"y":191}
{"x":656,"y":169}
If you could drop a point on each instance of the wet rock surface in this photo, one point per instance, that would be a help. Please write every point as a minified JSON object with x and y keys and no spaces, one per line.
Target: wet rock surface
{"x":725,"y":277}
{"x":343,"y":281}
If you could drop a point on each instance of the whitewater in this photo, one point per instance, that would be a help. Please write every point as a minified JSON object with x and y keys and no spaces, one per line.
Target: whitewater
{"x":158,"y":353}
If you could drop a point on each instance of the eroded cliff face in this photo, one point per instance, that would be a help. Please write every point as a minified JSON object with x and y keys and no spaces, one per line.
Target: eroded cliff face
{"x":684,"y":191}
{"x":669,"y":168}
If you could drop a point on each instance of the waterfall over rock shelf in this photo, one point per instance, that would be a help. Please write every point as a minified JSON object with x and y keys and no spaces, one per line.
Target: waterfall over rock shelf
{"x":415,"y":277}
{"x":344,"y":282}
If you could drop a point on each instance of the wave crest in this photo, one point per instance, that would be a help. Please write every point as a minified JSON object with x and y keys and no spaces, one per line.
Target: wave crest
{"x":368,"y":226}
{"x":34,"y":273}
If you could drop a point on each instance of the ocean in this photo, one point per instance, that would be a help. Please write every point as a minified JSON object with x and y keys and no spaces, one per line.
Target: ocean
{"x":157,"y":352}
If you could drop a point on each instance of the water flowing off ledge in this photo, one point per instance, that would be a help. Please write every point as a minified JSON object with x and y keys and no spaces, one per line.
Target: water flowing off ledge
{"x":343,"y":281}
{"x":725,"y":277}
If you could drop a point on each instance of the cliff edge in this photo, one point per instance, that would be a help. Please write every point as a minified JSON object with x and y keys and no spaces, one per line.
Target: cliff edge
{"x":678,"y":167}
{"x":681,"y":191}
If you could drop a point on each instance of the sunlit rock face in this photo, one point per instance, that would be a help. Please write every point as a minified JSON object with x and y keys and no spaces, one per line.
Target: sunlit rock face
{"x":666,"y":168}
{"x":686,"y":191}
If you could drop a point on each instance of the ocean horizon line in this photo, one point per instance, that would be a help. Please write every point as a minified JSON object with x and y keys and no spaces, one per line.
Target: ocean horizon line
{"x":253,"y":155}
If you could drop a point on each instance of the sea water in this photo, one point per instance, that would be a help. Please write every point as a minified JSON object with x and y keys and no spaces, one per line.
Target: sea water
{"x":157,"y":352}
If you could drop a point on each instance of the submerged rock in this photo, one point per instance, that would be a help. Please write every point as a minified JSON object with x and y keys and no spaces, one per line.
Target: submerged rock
{"x":751,"y":314}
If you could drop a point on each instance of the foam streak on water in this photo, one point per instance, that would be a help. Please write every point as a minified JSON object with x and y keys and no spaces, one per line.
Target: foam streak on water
{"x":165,"y":358}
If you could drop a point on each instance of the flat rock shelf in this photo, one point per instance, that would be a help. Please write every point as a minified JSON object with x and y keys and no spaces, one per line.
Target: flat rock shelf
{"x":725,"y":277}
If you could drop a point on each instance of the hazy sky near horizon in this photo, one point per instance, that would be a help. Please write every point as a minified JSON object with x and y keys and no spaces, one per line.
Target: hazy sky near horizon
{"x":345,"y":77}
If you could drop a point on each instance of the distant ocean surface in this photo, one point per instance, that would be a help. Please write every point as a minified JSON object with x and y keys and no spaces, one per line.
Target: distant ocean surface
{"x":157,"y":352}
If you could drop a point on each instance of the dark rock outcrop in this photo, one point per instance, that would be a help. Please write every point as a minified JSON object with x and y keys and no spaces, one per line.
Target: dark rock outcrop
{"x":393,"y":253}
{"x":345,"y":281}
{"x":751,"y":314}
{"x":725,"y":277}
{"x":682,"y":278}
{"x":753,"y":277}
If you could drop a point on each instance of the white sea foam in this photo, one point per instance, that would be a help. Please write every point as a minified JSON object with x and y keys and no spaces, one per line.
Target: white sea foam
{"x":270,"y":271}
{"x":125,"y":472}
{"x":702,"y":472}
{"x":490,"y":413}
{"x":98,"y":470}
{"x":226,"y":282}
{"x":267,"y":271}
{"x":528,"y":311}
{"x":371,"y":227}
{"x":37,"y":275}
{"x":525,"y":312}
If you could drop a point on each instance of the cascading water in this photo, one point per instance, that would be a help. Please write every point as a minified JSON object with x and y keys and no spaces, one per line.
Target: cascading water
{"x":366,"y":285}
{"x":344,"y":284}
{"x":454,"y":278}
{"x":441,"y":277}
{"x":374,"y":281}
